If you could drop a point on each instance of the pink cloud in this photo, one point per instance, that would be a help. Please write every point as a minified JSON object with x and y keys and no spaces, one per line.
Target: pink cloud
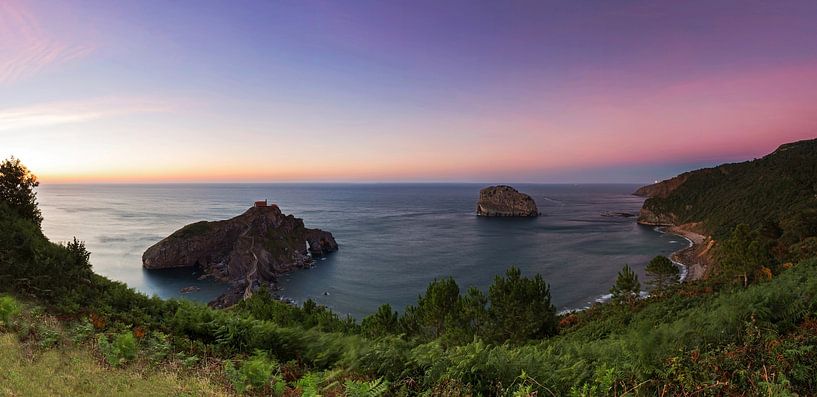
{"x":26,"y":48}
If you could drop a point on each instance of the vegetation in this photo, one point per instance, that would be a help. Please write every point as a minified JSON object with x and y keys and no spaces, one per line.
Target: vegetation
{"x":68,"y":331}
{"x":515,"y":310}
{"x":193,"y":229}
{"x":17,"y":190}
{"x":122,"y":349}
{"x":627,"y":287}
{"x":775,"y":195}
{"x":75,"y":371}
{"x":743,"y":254}
{"x":662,"y":273}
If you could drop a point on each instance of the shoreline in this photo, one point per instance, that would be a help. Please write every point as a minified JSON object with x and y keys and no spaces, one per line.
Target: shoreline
{"x":689,"y":257}
{"x":684,"y":258}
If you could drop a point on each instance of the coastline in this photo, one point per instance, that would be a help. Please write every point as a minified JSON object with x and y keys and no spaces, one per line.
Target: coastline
{"x":692,"y":257}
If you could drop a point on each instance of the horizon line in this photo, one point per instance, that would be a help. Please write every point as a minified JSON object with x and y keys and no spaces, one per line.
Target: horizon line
{"x":340,"y":183}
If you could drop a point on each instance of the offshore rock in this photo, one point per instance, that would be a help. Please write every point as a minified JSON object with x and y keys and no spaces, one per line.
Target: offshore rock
{"x":505,"y":201}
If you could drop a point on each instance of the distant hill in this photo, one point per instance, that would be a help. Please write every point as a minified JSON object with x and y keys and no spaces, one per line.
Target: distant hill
{"x":776,"y":194}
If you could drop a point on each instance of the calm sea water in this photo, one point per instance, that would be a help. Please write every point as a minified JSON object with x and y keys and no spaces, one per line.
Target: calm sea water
{"x":394,"y":238}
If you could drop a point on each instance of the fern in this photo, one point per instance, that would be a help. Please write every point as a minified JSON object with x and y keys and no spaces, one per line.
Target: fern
{"x":374,"y":388}
{"x":309,"y":385}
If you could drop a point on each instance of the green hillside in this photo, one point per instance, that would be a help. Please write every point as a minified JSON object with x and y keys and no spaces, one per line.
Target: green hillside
{"x":776,"y":194}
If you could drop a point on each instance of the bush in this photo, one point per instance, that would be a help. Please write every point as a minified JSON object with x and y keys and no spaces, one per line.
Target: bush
{"x":82,"y":330}
{"x":9,"y":308}
{"x":123,"y":349}
{"x":158,"y":347}
{"x":47,"y":336}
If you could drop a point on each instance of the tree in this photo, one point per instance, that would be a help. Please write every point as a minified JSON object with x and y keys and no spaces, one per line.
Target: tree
{"x":627,"y":287}
{"x":440,"y":308}
{"x":520,"y":308}
{"x":474,"y":310}
{"x":383,"y":322}
{"x":743,"y":253}
{"x":662,"y":273}
{"x":17,"y":189}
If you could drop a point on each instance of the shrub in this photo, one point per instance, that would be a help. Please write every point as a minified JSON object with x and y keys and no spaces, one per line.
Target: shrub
{"x":158,"y":347}
{"x":47,"y":336}
{"x":82,"y":330}
{"x":123,"y":348}
{"x":9,"y":308}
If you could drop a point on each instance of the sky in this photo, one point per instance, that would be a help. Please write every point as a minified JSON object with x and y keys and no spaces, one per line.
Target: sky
{"x":401,"y":91}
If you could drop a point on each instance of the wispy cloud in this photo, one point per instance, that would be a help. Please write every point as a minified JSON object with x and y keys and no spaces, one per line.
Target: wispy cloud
{"x":59,"y":113}
{"x":26,"y":48}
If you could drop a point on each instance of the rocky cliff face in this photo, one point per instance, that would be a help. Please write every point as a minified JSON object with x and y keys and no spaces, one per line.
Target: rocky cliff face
{"x":505,"y":201}
{"x":648,"y":217}
{"x":662,"y":189}
{"x":247,"y":251}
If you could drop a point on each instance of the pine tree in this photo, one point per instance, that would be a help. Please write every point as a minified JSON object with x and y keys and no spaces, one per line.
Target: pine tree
{"x":440,"y":308}
{"x":474,"y":308}
{"x":520,"y":308}
{"x":383,"y":322}
{"x":662,"y":273}
{"x":627,"y":287}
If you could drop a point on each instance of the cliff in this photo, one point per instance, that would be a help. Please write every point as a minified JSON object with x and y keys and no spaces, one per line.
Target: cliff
{"x":662,"y":189}
{"x":505,"y":201}
{"x":247,"y":251}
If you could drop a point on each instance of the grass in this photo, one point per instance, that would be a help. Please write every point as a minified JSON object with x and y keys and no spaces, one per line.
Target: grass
{"x":74,"y":371}
{"x":194,"y":229}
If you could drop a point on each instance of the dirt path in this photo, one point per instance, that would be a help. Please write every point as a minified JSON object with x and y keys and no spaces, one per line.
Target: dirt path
{"x":254,"y":271}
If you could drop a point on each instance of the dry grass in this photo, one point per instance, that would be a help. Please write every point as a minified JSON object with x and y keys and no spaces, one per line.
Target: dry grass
{"x":75,"y":371}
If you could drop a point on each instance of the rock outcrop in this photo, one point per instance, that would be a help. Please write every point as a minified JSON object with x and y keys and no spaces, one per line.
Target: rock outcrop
{"x":505,"y":201}
{"x":662,"y":189}
{"x":648,"y":217}
{"x":247,"y":251}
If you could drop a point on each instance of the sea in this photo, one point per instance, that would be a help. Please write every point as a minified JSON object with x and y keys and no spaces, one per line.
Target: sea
{"x":394,"y":238}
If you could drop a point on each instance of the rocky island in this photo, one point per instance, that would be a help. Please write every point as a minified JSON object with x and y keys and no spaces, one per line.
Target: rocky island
{"x":246,"y":252}
{"x":504,"y":200}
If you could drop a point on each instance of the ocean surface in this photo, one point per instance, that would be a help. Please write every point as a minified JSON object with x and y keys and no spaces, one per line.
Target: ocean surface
{"x":394,"y":238}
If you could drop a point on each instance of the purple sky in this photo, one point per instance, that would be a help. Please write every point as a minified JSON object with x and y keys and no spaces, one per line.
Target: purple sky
{"x":573,"y":91}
